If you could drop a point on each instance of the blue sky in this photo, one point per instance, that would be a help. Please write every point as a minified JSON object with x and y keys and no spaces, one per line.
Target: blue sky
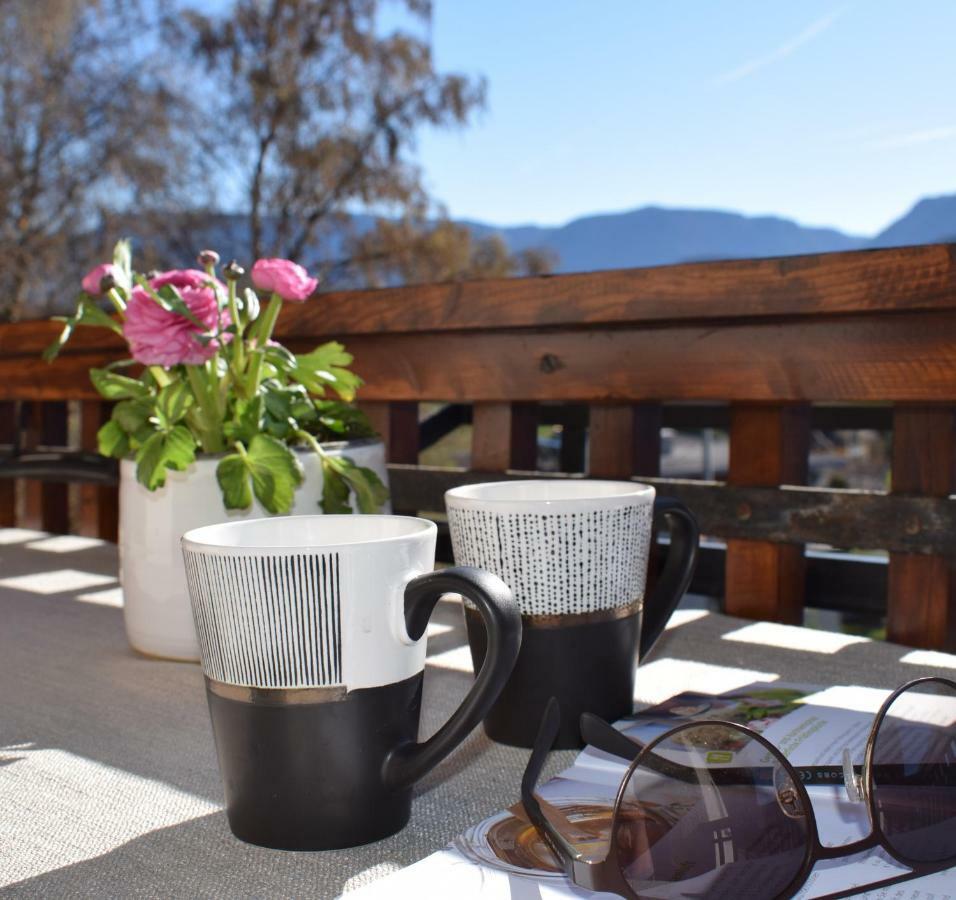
{"x":831,"y":113}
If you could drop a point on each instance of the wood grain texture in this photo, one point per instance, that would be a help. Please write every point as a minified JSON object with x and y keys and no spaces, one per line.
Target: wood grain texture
{"x":403,"y":432}
{"x":921,"y":602}
{"x":524,"y":436}
{"x":769,"y":445}
{"x":99,"y":504}
{"x":491,"y":436}
{"x":8,"y":494}
{"x":841,"y":518}
{"x":54,"y":497}
{"x":906,"y":357}
{"x":611,"y":440}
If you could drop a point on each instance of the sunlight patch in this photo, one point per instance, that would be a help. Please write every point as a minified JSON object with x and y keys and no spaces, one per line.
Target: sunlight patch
{"x":58,"y":809}
{"x":662,"y":679}
{"x":684,"y":616}
{"x":930,"y":658}
{"x":65,"y":543}
{"x":56,"y":582}
{"x":19,"y":535}
{"x":793,"y":637}
{"x":109,"y":597}
{"x":458,"y":659}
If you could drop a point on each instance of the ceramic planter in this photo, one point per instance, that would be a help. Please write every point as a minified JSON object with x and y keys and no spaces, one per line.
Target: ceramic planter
{"x":157,"y":613}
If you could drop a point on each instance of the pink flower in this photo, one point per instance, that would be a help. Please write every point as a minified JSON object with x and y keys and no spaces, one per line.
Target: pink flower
{"x":157,"y":337}
{"x":285,"y":278}
{"x":94,"y":278}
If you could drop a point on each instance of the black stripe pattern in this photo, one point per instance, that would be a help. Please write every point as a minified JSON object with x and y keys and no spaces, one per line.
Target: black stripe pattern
{"x":268,"y":621}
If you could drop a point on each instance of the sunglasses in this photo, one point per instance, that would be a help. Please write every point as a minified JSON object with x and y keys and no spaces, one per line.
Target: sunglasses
{"x":693,"y":819}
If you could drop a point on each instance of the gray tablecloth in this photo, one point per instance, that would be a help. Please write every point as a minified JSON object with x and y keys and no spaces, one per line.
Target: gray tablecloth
{"x":108,"y":778}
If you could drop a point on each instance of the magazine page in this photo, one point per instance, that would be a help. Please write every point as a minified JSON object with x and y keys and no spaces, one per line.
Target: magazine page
{"x":504,"y":857}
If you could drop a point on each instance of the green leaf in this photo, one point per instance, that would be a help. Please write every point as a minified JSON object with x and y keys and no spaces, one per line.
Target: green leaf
{"x":174,"y":449}
{"x":112,"y":440}
{"x":281,"y":358}
{"x":233,"y":477}
{"x":117,"y":387}
{"x":335,"y":489}
{"x":123,"y":260}
{"x":87,"y":313}
{"x":325,"y":368}
{"x":369,"y":491}
{"x":131,"y":415}
{"x":276,"y":473}
{"x":173,"y":403}
{"x":246,"y":421}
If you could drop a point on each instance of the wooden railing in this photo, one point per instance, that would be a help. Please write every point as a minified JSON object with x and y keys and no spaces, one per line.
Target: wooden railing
{"x":771,"y":344}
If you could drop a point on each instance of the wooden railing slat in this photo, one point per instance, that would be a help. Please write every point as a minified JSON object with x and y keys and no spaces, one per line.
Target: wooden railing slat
{"x":491,"y":437}
{"x":54,"y":497}
{"x":769,"y":445}
{"x":611,"y":440}
{"x":99,"y":504}
{"x":8,"y":493}
{"x":921,"y":601}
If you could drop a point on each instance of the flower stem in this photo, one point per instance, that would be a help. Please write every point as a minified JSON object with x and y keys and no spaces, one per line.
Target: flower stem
{"x":117,"y":301}
{"x":160,"y":375}
{"x":210,"y":420}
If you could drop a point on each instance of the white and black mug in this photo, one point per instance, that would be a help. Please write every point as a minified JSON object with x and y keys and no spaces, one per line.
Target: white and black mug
{"x":311,"y":632}
{"x":575,"y":554}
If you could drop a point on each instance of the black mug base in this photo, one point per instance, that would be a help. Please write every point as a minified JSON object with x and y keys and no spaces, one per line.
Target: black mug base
{"x":589,"y":666}
{"x":308,"y":775}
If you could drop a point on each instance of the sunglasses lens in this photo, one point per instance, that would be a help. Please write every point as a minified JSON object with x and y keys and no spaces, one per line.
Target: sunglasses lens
{"x":710,"y":812}
{"x":914,"y":773}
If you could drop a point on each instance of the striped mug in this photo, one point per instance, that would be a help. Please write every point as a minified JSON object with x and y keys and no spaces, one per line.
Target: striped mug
{"x":311,"y":633}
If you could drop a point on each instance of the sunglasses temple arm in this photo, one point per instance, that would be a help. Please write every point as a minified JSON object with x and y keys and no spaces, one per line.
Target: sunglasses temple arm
{"x":598,"y":733}
{"x":567,"y":854}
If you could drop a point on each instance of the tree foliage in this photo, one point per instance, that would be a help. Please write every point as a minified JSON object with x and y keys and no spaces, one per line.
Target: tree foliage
{"x":91,"y":126}
{"x":270,"y":127}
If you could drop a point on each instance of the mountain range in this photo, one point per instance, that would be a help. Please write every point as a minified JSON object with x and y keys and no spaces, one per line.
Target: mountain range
{"x":653,"y":236}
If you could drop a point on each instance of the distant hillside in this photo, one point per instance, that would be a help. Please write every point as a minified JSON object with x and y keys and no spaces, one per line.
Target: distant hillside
{"x":652,"y":236}
{"x":931,"y":220}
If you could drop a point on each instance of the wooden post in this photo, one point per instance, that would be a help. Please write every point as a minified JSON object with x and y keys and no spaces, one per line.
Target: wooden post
{"x":54,"y":495}
{"x":397,"y":423}
{"x":624,"y":439}
{"x":8,"y":494}
{"x":99,"y":504}
{"x":921,"y":601}
{"x":524,"y":437}
{"x":769,"y":445}
{"x":491,"y":435}
{"x":31,"y":498}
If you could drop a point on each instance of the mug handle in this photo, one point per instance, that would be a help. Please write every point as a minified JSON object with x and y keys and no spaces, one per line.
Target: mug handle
{"x":499,"y":612}
{"x":677,"y":572}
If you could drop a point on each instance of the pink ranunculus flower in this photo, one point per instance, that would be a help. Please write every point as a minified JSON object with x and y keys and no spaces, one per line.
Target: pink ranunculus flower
{"x":285,"y":278}
{"x":160,"y":338}
{"x":94,"y":278}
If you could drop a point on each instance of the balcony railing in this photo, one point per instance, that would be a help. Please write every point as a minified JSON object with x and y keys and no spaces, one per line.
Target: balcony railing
{"x":767,"y":348}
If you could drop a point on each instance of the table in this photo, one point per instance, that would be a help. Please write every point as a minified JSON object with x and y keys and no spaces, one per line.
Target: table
{"x":108,"y":777}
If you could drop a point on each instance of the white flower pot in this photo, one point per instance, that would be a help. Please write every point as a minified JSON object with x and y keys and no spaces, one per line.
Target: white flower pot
{"x":156,"y":606}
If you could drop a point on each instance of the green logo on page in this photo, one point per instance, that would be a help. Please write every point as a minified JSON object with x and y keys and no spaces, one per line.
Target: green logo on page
{"x":720,"y":756}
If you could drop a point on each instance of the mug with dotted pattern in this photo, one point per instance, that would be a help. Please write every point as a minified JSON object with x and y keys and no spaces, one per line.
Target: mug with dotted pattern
{"x":575,"y":553}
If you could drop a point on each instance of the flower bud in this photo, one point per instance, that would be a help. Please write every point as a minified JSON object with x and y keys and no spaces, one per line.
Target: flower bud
{"x":233,"y":271}
{"x":208,"y":258}
{"x":107,"y":283}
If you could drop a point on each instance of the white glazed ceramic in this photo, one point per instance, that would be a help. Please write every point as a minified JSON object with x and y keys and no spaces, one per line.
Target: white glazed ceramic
{"x":308,"y":601}
{"x":564,"y":546}
{"x":158,"y":618}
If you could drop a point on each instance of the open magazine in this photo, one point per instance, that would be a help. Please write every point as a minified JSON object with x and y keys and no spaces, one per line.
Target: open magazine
{"x":503,"y":856}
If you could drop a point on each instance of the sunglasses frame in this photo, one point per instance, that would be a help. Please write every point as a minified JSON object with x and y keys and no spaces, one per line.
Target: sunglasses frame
{"x":606,"y":874}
